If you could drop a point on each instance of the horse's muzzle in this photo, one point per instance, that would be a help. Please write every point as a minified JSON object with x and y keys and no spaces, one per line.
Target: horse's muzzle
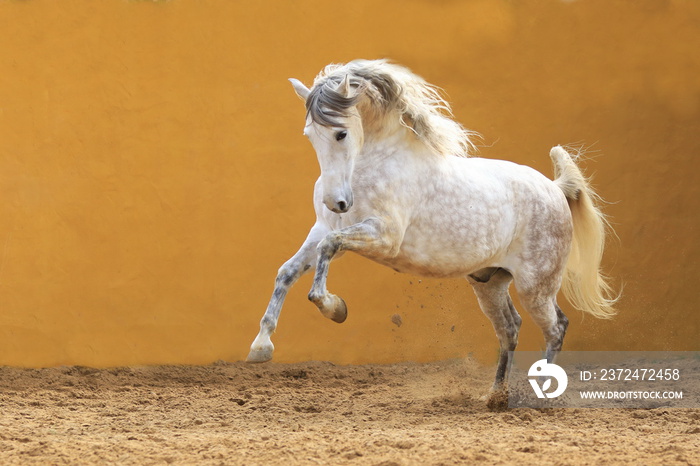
{"x":339,"y":206}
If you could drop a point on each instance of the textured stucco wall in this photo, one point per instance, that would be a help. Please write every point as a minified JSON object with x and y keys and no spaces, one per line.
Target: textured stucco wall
{"x":153,"y":174}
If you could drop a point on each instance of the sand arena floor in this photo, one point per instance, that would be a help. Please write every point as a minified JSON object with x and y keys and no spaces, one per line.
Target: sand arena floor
{"x":313,"y":413}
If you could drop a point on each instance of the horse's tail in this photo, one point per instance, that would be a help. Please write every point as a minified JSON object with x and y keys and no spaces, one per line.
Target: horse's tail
{"x":584,"y":285}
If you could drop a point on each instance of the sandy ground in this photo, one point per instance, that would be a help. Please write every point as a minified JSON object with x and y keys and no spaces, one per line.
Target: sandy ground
{"x":313,"y":413}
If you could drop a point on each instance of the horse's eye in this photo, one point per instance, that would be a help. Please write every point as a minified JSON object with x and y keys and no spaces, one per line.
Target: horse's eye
{"x":340,"y":135}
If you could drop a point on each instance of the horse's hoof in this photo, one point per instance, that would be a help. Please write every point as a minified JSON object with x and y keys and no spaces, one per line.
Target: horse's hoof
{"x":340,"y":310}
{"x":331,"y":306}
{"x":497,"y":400}
{"x":259,"y":356}
{"x":260,"y":353}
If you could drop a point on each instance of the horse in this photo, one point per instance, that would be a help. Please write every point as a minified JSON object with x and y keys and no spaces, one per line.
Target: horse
{"x":399,"y":185}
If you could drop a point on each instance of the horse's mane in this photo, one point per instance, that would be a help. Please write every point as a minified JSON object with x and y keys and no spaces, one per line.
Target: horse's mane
{"x":390,"y":89}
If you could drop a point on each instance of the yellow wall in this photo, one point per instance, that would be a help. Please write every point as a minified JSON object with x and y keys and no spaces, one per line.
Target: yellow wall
{"x":153,"y":174}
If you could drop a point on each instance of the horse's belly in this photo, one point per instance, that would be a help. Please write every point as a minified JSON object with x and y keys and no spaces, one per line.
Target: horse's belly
{"x":447,"y":255}
{"x":434,"y":268}
{"x":456,"y":238}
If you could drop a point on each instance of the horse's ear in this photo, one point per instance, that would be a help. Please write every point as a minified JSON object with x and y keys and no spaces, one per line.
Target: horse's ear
{"x":344,"y":89}
{"x":301,"y":90}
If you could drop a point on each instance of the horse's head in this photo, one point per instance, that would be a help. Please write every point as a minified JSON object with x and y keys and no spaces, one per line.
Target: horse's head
{"x":334,"y":127}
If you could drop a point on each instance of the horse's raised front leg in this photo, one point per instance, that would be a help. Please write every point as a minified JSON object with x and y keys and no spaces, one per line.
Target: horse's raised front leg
{"x":262,"y":347}
{"x":369,"y":238}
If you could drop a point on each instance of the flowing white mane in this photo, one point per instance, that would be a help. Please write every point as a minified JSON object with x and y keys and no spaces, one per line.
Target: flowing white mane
{"x":390,"y":90}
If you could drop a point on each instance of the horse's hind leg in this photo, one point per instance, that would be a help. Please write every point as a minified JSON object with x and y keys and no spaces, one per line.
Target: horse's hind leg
{"x":540,"y":301}
{"x":491,"y":289}
{"x":554,"y":333}
{"x":562,"y":324}
{"x":262,"y":347}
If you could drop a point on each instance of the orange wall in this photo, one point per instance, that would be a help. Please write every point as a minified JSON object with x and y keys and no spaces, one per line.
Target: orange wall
{"x":153,"y":175}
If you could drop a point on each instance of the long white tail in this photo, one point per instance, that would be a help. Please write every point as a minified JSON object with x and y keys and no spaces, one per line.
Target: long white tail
{"x":584,"y":285}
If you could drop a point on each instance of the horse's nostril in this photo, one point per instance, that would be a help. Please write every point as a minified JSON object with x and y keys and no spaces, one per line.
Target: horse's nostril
{"x":342,"y":206}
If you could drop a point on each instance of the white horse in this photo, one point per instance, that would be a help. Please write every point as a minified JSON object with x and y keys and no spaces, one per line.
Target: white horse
{"x":397,"y":186}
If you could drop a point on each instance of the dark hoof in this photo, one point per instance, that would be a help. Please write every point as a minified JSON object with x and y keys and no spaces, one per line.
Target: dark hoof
{"x":498,"y":400}
{"x":340,"y":312}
